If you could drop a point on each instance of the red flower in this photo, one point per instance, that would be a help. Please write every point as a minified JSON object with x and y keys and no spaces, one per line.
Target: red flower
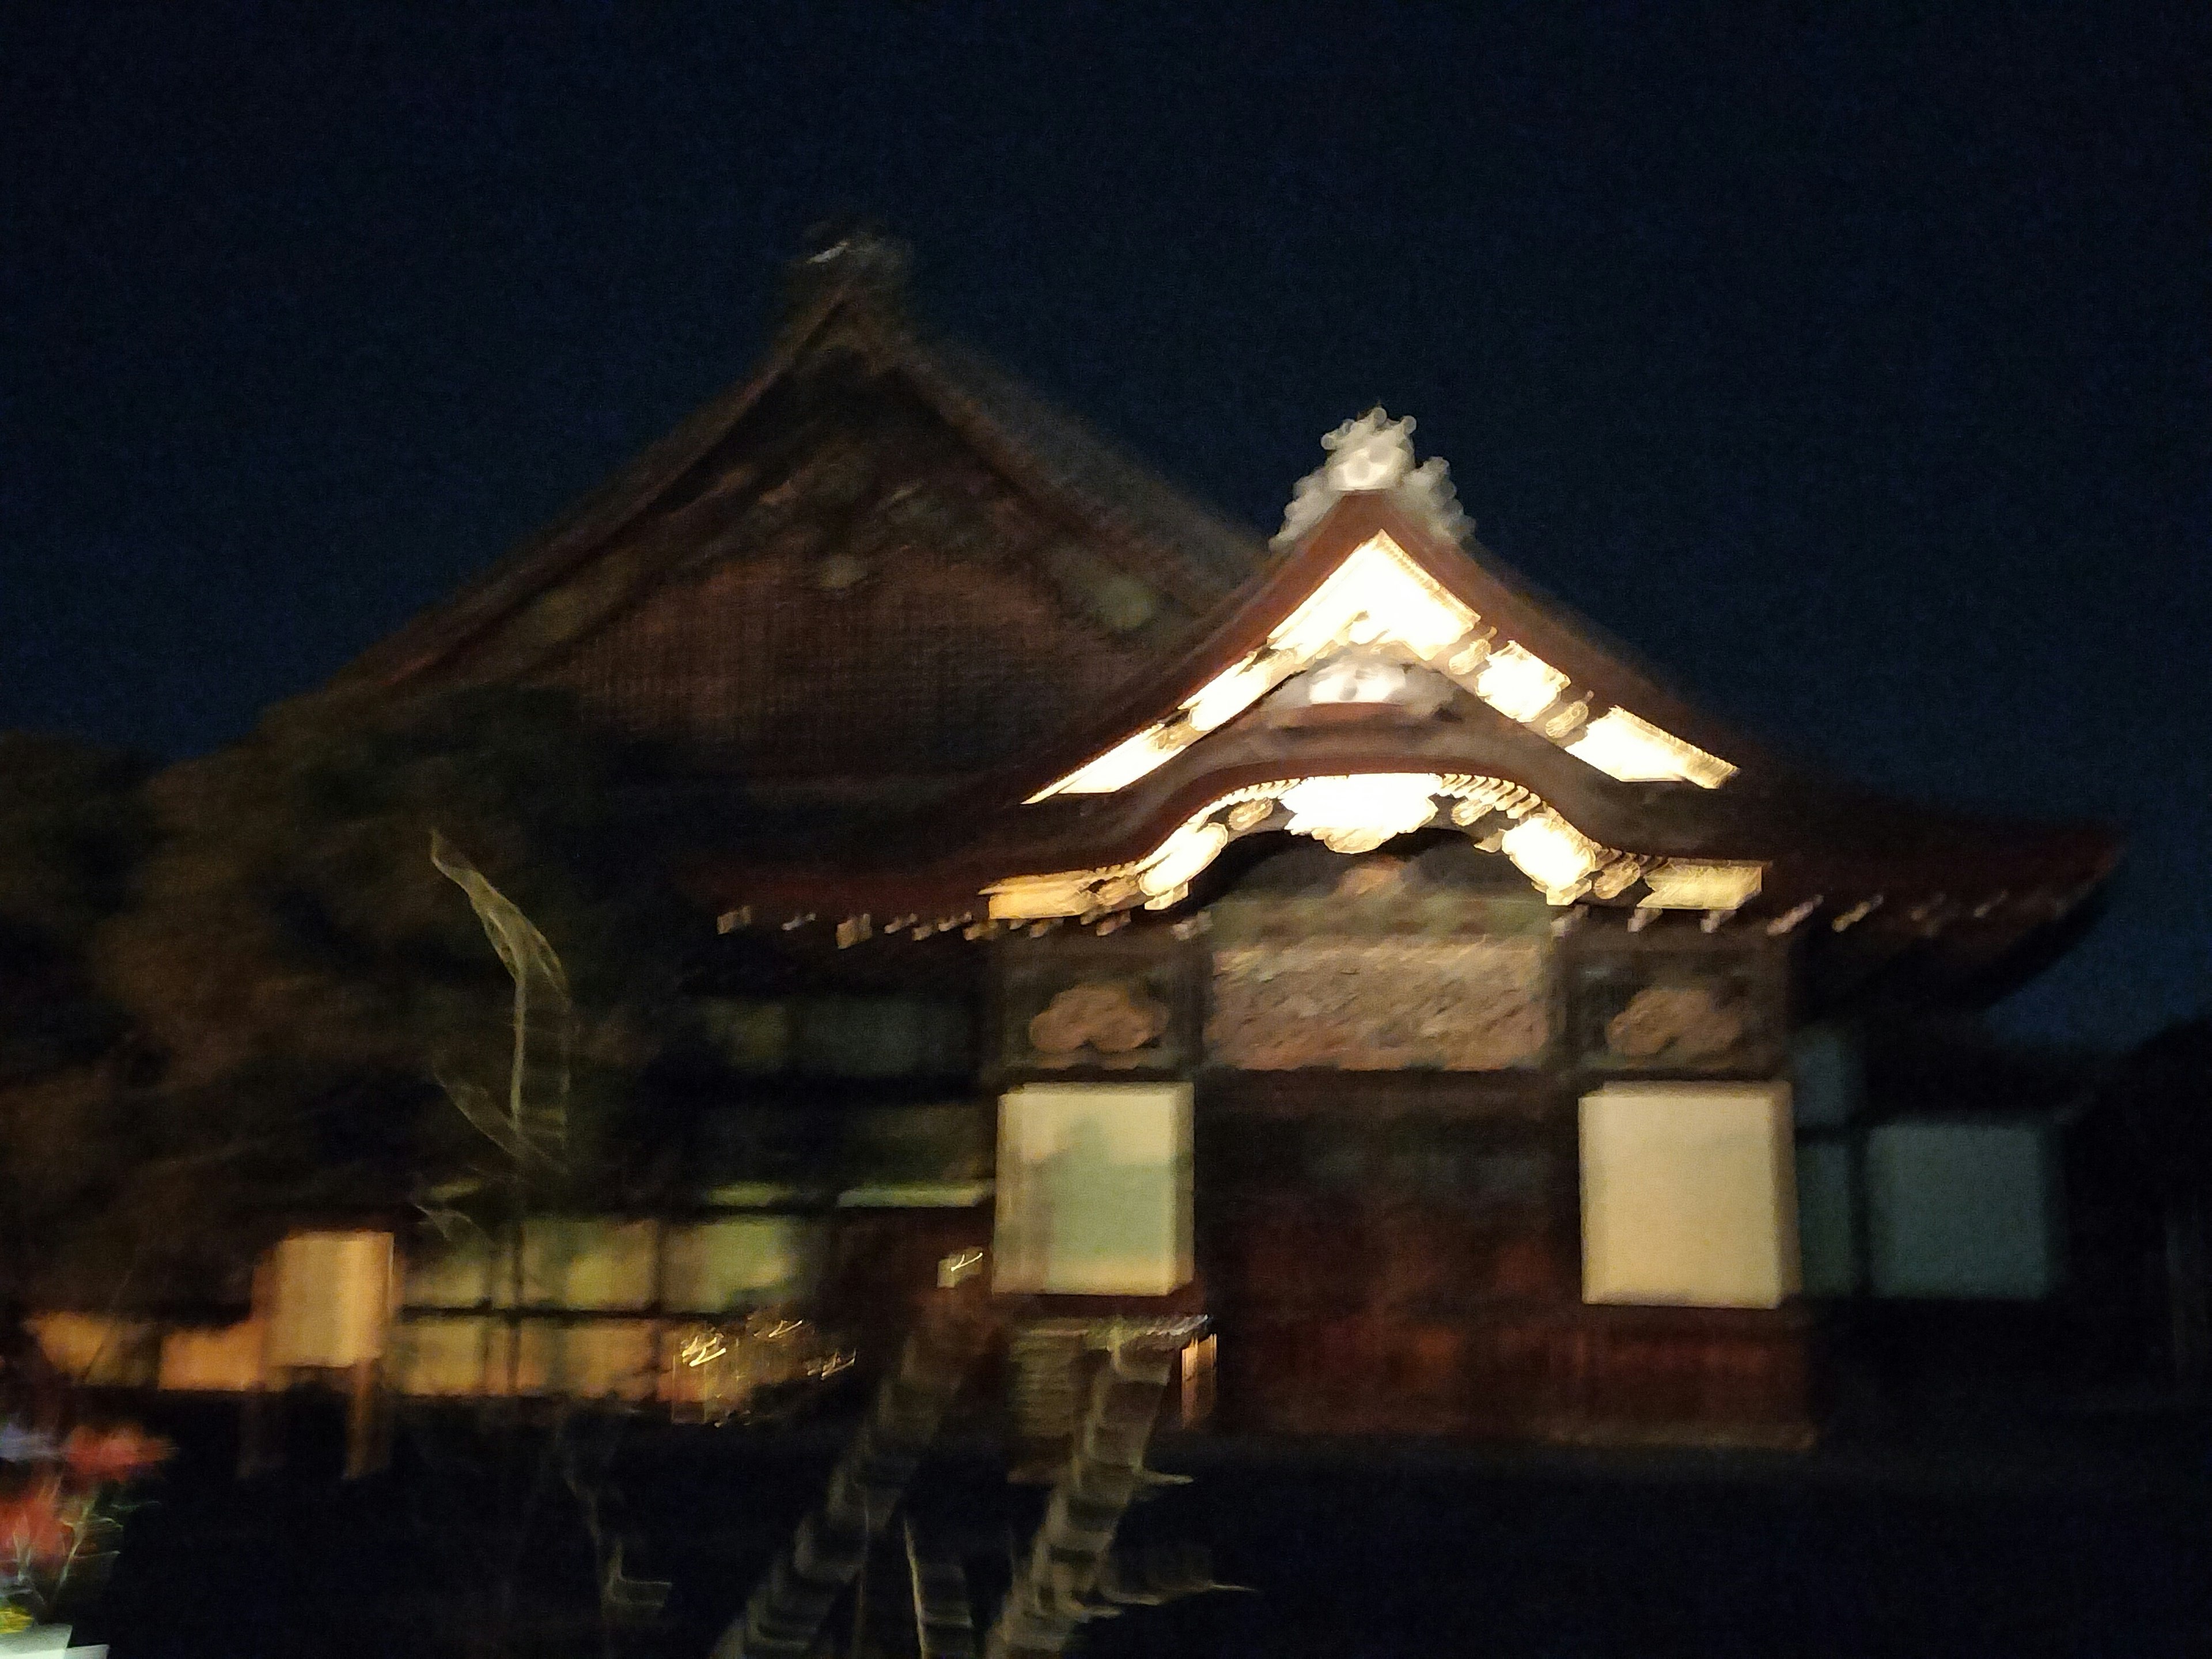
{"x":94,"y":1455}
{"x":34,"y":1527}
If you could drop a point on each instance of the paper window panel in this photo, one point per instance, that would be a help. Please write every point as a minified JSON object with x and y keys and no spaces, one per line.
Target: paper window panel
{"x":597,"y":1359}
{"x":448,"y":1357}
{"x":103,"y":1352}
{"x":579,"y":1263}
{"x":1965,"y":1210}
{"x":1688,"y":1195}
{"x":739,"y":1263}
{"x":460,"y":1274}
{"x":221,"y":1361}
{"x":1094,"y":1189}
{"x":330,"y":1298}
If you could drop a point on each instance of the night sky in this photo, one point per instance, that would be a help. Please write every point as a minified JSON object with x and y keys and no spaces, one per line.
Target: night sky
{"x":1854,"y":369}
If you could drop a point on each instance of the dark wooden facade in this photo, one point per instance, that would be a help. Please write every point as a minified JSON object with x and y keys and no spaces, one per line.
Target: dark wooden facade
{"x":895,"y":603}
{"x":1386,"y":1247}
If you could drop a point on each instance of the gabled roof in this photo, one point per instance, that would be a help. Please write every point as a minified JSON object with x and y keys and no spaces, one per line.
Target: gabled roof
{"x":954,"y":657}
{"x":1385,"y":674}
{"x":876,"y":567}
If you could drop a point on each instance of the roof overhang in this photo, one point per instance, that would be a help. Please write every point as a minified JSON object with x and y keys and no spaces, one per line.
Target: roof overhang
{"x":1561,"y":754}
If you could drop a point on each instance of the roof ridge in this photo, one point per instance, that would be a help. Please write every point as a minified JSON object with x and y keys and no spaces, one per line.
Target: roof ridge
{"x":583,"y":528}
{"x":1191,"y":550}
{"x":1118,"y":489}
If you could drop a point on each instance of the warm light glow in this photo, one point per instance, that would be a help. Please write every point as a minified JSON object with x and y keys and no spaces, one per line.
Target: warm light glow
{"x":1180,"y":857}
{"x":1378,"y":596}
{"x":1227,"y":695}
{"x":330,"y":1298}
{"x":1616,"y":877}
{"x":1683,"y":885}
{"x":1349,"y":813}
{"x":1478,"y":796}
{"x":1359,"y":814}
{"x":1552,"y":853}
{"x":1377,"y":593}
{"x":1519,"y":683}
{"x":1355,"y":679}
{"x":1621,"y":746}
{"x":1250,"y":814}
{"x":1035,"y":898}
{"x":1161,"y":874}
{"x":1121,"y":765}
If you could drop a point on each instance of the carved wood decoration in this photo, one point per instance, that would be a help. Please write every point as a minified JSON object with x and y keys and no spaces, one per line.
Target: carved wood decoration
{"x":1688,"y":1025}
{"x":1074,"y":1004}
{"x":1459,"y":1004}
{"x":1702,"y":1011}
{"x":1110,"y":1017}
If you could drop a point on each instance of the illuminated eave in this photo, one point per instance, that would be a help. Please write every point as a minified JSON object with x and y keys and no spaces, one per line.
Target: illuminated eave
{"x":1380,"y":597}
{"x":1355,"y":813}
{"x":1621,"y":746}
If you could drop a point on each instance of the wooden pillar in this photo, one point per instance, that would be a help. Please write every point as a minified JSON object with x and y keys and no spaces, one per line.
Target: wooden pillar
{"x":368,"y":1420}
{"x":257,"y":1452}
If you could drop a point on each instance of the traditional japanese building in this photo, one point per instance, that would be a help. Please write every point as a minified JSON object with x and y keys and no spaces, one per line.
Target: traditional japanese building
{"x":1327,"y":933}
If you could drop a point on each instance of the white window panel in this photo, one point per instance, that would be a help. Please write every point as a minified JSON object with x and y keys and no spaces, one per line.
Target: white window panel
{"x":1688,"y":1195}
{"x":1094,"y":1188}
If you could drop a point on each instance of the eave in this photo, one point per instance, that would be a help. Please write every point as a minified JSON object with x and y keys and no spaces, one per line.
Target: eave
{"x":1276,"y":592}
{"x":1814,"y":850}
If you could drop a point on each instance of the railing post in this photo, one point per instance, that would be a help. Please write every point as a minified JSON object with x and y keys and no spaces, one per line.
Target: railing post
{"x":788,"y":1609}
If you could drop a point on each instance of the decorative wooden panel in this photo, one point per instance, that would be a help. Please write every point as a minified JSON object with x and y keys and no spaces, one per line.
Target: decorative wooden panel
{"x":1678,"y":1006}
{"x":1480,"y":1004}
{"x":1076,"y":1004}
{"x":1684,"y":1374}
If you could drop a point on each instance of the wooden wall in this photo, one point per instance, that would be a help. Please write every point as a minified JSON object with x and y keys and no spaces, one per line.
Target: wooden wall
{"x":1391,"y":1243}
{"x":1399,"y":1254}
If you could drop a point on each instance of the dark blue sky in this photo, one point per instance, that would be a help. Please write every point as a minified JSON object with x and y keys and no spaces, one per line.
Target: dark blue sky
{"x":1855,"y":369}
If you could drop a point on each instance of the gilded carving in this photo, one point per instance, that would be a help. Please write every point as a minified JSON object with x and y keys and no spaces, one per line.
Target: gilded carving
{"x":1697,"y":1009}
{"x":1676,"y":1024}
{"x":1113,"y":1017}
{"x":1461,"y":1004}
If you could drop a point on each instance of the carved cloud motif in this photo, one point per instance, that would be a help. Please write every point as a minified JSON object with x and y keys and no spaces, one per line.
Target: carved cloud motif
{"x":1113,"y":1017}
{"x":1683,"y":1024}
